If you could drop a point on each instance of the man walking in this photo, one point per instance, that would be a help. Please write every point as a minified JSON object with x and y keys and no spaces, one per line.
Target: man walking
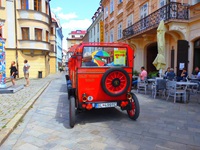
{"x":26,"y":72}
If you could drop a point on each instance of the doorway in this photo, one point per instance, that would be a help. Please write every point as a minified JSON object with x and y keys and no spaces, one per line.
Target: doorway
{"x":196,"y":59}
{"x":182,"y":56}
{"x":152,"y":51}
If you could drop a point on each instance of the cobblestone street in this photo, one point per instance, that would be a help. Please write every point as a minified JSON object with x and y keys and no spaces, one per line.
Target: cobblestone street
{"x":10,"y":104}
{"x":162,"y":125}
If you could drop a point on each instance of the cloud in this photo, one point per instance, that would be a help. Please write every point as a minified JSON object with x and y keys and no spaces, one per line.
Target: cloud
{"x":77,"y":24}
{"x":57,"y":9}
{"x":67,"y":16}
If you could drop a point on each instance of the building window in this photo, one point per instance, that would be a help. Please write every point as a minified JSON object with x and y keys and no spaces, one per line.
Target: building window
{"x":47,"y":7}
{"x":51,"y":30}
{"x":111,"y":6}
{"x":24,"y":4}
{"x":144,"y":11}
{"x":38,"y":5}
{"x":106,"y":37}
{"x":162,"y":3}
{"x":47,"y":36}
{"x":98,"y":27}
{"x":25,"y":33}
{"x":143,"y":14}
{"x":120,"y":1}
{"x":129,"y":20}
{"x":1,"y":32}
{"x":119,"y":35}
{"x":111,"y":35}
{"x":38,"y":34}
{"x":73,"y":36}
{"x":52,"y":47}
{"x":195,"y":2}
{"x":106,"y":12}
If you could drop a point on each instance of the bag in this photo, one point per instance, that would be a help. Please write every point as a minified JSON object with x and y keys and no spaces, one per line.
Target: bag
{"x":16,"y":72}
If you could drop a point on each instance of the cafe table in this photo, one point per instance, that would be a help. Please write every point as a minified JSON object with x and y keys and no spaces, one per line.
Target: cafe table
{"x":187,"y":84}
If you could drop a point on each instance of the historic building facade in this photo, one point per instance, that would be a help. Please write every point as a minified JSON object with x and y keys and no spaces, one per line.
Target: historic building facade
{"x":25,"y":26}
{"x":56,"y":40}
{"x":75,"y":37}
{"x":136,"y":21}
{"x":96,"y":29}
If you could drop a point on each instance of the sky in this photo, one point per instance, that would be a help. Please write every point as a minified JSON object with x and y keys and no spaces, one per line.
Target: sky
{"x":74,"y":14}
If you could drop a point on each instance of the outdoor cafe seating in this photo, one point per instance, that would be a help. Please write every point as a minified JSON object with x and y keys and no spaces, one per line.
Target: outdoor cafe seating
{"x":158,"y":86}
{"x":175,"y":91}
{"x":142,"y":85}
{"x":181,"y":90}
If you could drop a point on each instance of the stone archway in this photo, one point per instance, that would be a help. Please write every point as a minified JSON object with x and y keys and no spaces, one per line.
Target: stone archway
{"x":152,"y":51}
{"x":196,"y":60}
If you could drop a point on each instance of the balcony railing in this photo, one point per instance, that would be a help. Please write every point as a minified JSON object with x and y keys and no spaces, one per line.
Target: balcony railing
{"x":173,"y":10}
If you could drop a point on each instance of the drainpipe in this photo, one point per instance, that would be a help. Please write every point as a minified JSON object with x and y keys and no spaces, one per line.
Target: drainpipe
{"x":16,"y":47}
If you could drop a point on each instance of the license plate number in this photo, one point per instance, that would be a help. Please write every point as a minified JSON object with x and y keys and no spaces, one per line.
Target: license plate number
{"x":106,"y":105}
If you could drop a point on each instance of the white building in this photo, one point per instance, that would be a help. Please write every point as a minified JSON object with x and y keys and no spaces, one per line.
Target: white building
{"x":96,"y":29}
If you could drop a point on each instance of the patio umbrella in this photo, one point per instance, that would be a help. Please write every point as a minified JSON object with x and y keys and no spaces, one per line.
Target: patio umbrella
{"x":102,"y":54}
{"x":159,"y":61}
{"x":93,"y":53}
{"x":98,"y":61}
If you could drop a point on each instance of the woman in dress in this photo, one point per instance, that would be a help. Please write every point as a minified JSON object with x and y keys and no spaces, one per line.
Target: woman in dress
{"x":13,"y":72}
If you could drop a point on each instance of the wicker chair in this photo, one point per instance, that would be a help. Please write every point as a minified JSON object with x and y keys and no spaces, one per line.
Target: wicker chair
{"x":142,"y":85}
{"x":159,"y":86}
{"x":174,"y":91}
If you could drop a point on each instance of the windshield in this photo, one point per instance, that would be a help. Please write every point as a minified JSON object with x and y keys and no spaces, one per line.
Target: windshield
{"x":104,"y":56}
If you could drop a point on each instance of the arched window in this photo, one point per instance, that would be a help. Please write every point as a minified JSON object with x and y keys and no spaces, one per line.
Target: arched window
{"x":197,"y":44}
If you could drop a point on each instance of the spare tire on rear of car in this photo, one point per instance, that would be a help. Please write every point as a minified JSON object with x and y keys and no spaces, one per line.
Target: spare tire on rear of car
{"x":115,"y":82}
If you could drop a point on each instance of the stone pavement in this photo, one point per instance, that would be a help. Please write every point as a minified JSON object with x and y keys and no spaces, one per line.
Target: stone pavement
{"x":162,"y":125}
{"x":11,"y":104}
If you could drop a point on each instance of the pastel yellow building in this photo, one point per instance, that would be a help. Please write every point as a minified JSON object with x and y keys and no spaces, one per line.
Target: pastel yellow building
{"x":136,"y":21}
{"x":26,"y":30}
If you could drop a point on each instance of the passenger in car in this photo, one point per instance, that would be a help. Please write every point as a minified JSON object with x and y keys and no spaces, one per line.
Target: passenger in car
{"x":87,"y":61}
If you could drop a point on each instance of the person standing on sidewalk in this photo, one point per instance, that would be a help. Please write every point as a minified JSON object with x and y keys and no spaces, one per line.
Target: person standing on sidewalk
{"x":26,"y":72}
{"x":13,"y":72}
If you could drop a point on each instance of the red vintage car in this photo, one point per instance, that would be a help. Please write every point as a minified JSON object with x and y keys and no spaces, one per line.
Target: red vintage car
{"x":100,"y":76}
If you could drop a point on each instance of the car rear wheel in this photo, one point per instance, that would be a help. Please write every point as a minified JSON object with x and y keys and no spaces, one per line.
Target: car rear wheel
{"x":134,"y":112}
{"x":115,"y":82}
{"x":72,"y":111}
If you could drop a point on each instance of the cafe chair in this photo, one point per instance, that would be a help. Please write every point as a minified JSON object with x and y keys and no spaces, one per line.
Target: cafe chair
{"x":174,"y":91}
{"x":159,"y":86}
{"x":193,"y":90}
{"x":142,"y":85}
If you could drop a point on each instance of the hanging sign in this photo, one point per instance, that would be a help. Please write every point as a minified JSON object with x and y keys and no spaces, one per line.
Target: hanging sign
{"x":101,"y":31}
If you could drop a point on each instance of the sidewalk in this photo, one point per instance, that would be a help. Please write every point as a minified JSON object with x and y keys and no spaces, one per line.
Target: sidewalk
{"x":14,"y":106}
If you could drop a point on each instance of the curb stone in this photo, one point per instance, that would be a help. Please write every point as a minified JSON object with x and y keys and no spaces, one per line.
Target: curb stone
{"x":12,"y":124}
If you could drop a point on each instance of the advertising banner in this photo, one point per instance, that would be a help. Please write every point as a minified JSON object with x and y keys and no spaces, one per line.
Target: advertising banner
{"x":101,"y":31}
{"x":119,"y":56}
{"x":2,"y":65}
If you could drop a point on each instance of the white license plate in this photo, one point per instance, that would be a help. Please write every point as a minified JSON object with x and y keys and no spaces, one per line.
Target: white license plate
{"x":106,"y":105}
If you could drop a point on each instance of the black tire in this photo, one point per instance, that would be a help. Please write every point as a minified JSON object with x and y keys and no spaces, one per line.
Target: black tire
{"x":105,"y":76}
{"x":72,"y":111}
{"x":137,"y":108}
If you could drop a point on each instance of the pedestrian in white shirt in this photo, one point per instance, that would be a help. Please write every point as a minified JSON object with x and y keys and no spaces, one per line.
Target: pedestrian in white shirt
{"x":26,"y":72}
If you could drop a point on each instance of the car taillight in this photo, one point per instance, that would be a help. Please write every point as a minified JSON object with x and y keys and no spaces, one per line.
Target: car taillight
{"x":84,"y":97}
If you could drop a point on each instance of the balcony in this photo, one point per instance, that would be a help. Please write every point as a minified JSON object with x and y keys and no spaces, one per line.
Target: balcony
{"x":171,"y":11}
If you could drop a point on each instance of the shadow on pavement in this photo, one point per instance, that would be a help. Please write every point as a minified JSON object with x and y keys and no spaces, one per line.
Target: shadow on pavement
{"x":86,"y":117}
{"x":63,"y":88}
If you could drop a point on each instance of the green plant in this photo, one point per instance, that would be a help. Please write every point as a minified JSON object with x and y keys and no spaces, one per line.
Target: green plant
{"x":135,"y":73}
{"x":153,"y":74}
